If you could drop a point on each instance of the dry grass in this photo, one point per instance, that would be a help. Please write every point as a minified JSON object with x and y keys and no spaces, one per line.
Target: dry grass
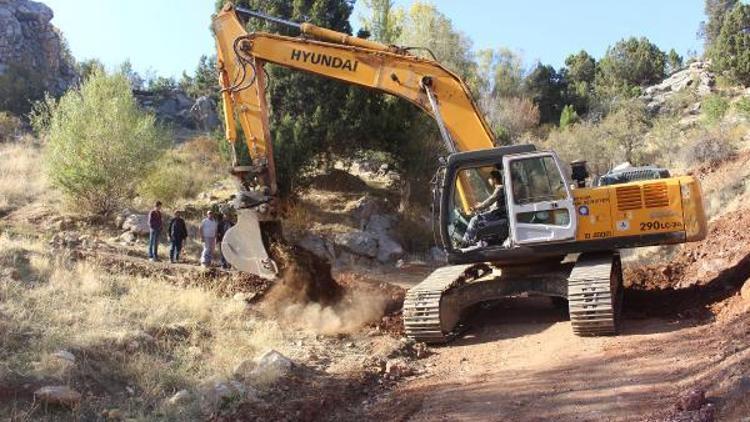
{"x":21,"y":175}
{"x":143,"y":333}
{"x":728,"y":189}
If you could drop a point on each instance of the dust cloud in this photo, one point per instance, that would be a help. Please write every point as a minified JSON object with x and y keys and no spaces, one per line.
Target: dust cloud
{"x":307,"y":296}
{"x":355,"y":309}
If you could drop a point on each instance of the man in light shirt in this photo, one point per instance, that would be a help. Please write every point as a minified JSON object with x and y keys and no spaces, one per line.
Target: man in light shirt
{"x":490,"y":210}
{"x":208,"y":230}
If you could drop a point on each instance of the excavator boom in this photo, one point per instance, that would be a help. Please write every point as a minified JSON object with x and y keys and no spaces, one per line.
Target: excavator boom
{"x":385,"y":69}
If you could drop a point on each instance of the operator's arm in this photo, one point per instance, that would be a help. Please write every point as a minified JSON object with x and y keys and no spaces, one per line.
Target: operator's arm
{"x":496,"y":196}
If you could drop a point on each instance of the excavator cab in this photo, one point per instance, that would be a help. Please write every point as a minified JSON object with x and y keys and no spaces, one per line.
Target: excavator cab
{"x":537,"y":208}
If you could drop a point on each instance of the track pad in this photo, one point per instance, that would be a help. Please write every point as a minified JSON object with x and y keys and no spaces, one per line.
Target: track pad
{"x":243,"y":247}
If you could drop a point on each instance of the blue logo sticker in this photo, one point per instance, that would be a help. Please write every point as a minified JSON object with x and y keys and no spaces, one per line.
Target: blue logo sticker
{"x":583,"y":210}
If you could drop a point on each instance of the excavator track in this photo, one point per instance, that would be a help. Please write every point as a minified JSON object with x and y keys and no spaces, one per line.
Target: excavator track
{"x":423,"y":319}
{"x":595,"y":294}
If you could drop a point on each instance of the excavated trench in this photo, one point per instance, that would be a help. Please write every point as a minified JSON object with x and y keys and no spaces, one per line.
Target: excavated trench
{"x":692,"y":300}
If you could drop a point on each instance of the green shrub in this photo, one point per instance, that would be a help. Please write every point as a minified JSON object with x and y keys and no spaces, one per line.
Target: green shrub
{"x":568,"y":116}
{"x":743,"y":106}
{"x":101,"y":145}
{"x":9,"y":126}
{"x":714,"y":108}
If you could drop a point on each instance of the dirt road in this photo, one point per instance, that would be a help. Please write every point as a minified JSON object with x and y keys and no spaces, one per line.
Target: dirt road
{"x":520,"y":361}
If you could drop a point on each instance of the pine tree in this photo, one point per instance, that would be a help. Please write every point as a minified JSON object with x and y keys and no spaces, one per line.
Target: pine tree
{"x":308,"y":116}
{"x":568,"y":116}
{"x":715,"y":11}
{"x":730,"y":53}
{"x":674,"y":62}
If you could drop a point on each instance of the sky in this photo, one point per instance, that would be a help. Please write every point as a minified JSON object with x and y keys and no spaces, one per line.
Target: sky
{"x":167,"y":37}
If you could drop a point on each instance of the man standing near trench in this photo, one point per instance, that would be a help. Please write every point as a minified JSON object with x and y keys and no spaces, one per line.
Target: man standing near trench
{"x":208,"y":230}
{"x":177,"y":234}
{"x":154,"y":230}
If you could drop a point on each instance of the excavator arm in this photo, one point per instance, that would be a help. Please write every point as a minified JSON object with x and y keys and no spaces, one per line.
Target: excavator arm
{"x":386,"y":69}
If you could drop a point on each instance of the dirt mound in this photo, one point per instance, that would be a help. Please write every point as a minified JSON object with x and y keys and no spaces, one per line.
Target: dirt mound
{"x":338,"y":181}
{"x":305,"y":277}
{"x":725,"y":247}
{"x":698,"y":274}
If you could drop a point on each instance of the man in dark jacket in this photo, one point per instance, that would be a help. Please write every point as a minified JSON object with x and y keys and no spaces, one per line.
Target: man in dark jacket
{"x":154,"y":225}
{"x":177,"y":234}
{"x":225,"y":223}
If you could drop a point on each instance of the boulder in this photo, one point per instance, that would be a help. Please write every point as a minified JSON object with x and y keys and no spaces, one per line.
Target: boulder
{"x":272,"y":364}
{"x":397,"y":368}
{"x":358,"y":242}
{"x":203,"y":112}
{"x":363,"y":208}
{"x":244,"y":369}
{"x":317,"y":245}
{"x":389,"y":250}
{"x":381,"y":224}
{"x":58,"y":394}
{"x":137,"y":224}
{"x":180,"y":398}
{"x":67,"y":239}
{"x":218,"y":392}
{"x":127,"y":237}
{"x":65,"y":356}
{"x":113,"y":414}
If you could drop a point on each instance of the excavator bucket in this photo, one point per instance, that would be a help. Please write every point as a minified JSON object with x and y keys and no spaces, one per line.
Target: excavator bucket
{"x":243,"y":247}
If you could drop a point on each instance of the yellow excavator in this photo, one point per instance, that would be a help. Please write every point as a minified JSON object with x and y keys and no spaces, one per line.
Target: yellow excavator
{"x":552,"y":231}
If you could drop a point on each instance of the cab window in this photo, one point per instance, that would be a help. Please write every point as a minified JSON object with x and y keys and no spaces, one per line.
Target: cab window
{"x":478,"y":190}
{"x":536,"y":179}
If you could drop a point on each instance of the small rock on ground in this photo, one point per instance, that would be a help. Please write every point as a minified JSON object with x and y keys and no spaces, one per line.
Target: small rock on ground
{"x":397,"y":368}
{"x":65,"y":355}
{"x":58,"y":394}
{"x":271,"y":364}
{"x":180,"y":398}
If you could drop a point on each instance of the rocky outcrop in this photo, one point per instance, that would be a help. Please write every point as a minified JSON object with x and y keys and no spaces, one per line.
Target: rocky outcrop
{"x":696,"y":77}
{"x":204,"y":114}
{"x":375,"y":241}
{"x":176,"y":108}
{"x":29,"y":42}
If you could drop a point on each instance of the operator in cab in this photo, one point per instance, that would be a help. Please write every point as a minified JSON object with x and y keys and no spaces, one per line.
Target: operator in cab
{"x":489,"y":211}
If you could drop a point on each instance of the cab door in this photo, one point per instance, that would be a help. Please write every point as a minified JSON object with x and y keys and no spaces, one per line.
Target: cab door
{"x":540,"y":203}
